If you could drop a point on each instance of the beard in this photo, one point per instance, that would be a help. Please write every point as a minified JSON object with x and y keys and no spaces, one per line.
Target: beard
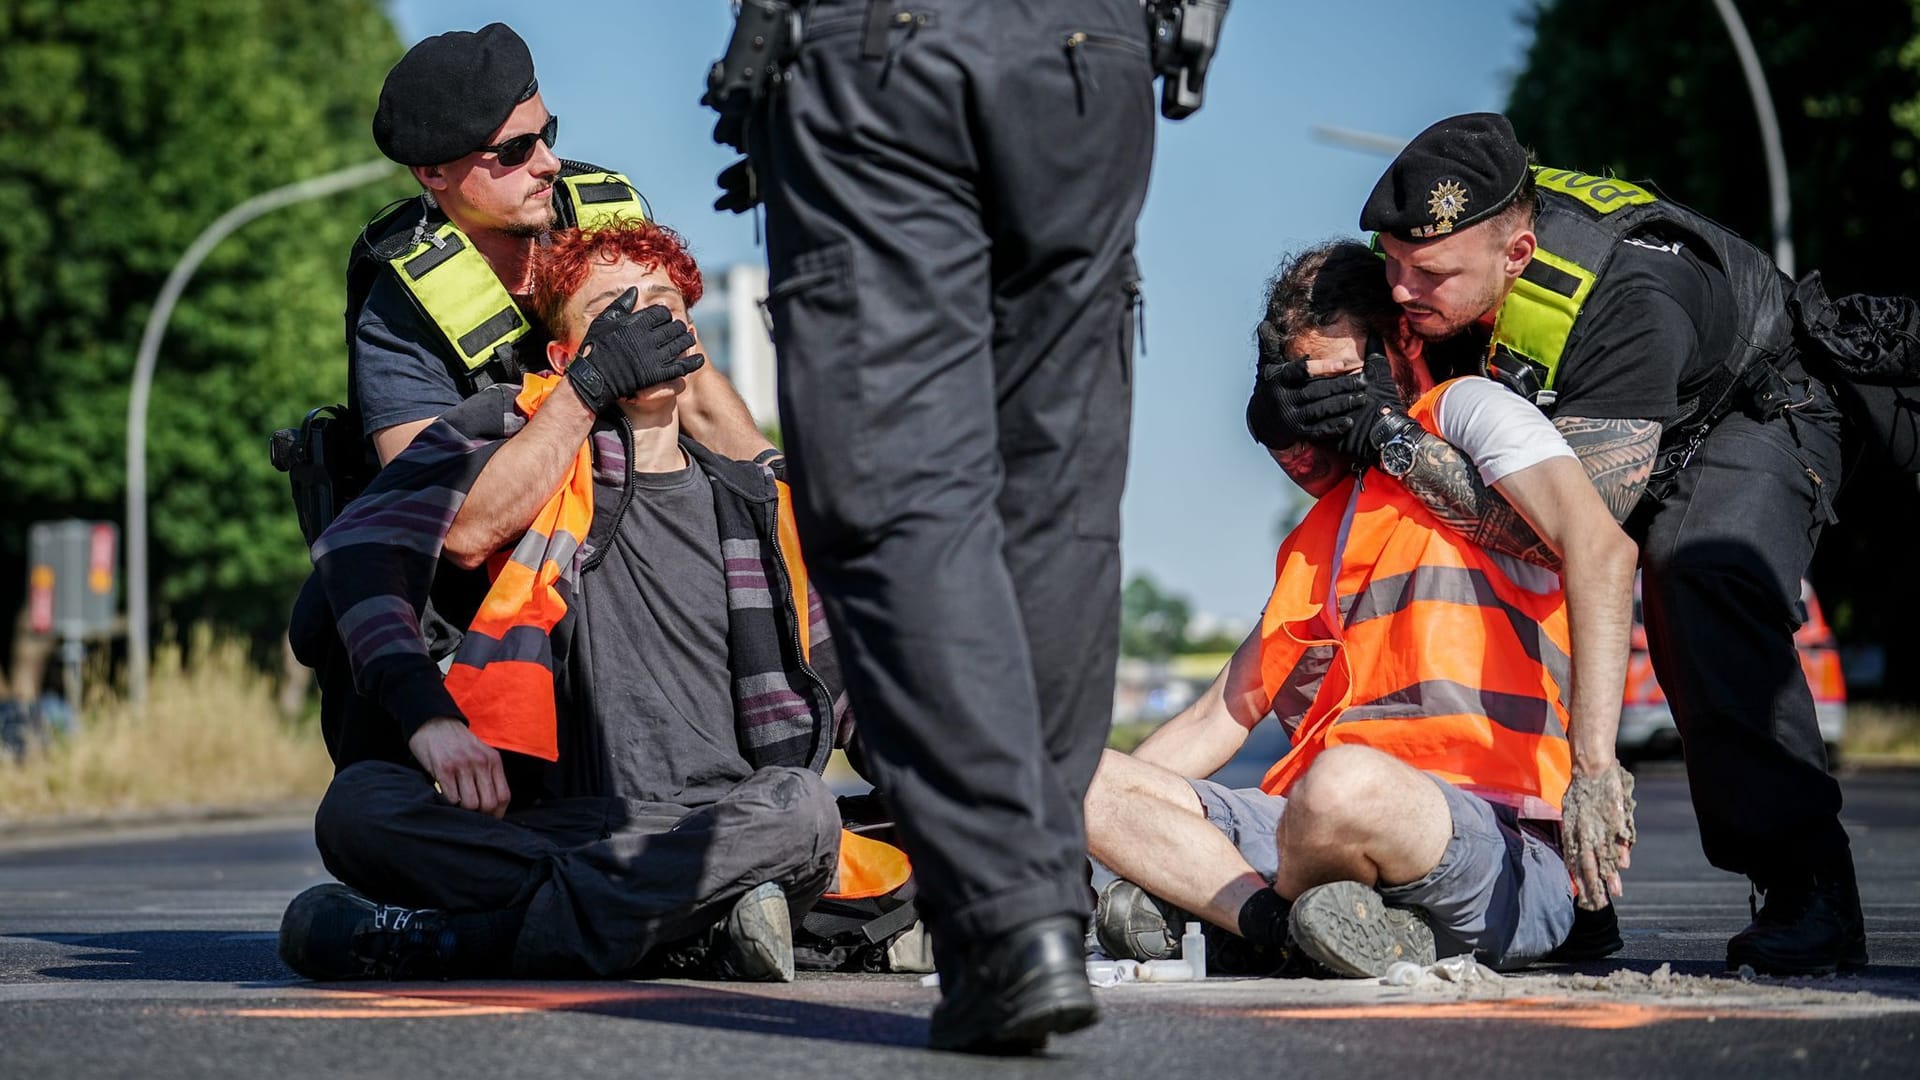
{"x":533,"y":230}
{"x":1451,"y":326}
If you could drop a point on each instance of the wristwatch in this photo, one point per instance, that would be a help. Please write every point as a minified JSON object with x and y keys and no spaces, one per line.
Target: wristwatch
{"x":1393,"y":437}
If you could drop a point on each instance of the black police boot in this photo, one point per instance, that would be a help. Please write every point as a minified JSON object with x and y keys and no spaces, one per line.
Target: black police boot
{"x":1008,"y":994}
{"x":331,"y":932}
{"x":755,"y":943}
{"x":1808,"y":926}
{"x":1595,"y":934}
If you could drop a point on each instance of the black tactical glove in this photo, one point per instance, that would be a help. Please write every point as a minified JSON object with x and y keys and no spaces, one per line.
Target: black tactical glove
{"x":1289,"y":406}
{"x":626,"y":351}
{"x":739,"y":188}
{"x":1380,"y":398}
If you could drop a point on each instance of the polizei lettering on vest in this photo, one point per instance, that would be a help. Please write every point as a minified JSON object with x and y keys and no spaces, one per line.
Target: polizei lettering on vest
{"x":1602,"y":194}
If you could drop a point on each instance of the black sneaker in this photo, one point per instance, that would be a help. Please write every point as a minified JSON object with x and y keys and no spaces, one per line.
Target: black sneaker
{"x":1595,"y":934}
{"x":1010,"y":994}
{"x":755,"y":943}
{"x":1807,"y":927}
{"x":331,"y":932}
{"x":1348,"y":928}
{"x":1130,"y":923}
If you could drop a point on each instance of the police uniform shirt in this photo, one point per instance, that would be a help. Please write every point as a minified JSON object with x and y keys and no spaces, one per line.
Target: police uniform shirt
{"x":399,"y":375}
{"x":1658,"y":322}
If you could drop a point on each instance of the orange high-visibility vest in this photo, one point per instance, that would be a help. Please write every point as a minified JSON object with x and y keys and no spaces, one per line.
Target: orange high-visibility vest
{"x":1387,"y":629}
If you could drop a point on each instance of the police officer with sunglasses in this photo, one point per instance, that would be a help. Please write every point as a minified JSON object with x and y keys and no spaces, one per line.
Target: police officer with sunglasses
{"x":429,"y":324}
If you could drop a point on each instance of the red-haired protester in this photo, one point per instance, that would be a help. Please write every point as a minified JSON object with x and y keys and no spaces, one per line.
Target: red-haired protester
{"x":628,"y":742}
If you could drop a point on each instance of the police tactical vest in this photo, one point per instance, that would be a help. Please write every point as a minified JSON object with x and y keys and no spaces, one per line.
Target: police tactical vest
{"x":478,"y":323}
{"x":1581,"y":223}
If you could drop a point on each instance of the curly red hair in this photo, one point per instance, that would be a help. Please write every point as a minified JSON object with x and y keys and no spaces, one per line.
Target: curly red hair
{"x":560,"y":267}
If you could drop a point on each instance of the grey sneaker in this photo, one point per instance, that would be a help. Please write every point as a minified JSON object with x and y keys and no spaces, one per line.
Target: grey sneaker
{"x":1131,"y":924}
{"x":1349,"y":928}
{"x":755,"y":943}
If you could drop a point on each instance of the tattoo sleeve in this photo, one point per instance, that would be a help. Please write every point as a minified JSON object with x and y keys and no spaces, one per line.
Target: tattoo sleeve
{"x":1617,"y":454}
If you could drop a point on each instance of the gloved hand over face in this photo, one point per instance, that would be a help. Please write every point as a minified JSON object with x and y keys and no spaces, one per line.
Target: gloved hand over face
{"x":626,"y":351}
{"x":1597,"y":833}
{"x":1379,"y":396}
{"x":1291,"y":405}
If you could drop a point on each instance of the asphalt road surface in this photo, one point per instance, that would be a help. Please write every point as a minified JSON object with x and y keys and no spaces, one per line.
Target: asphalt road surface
{"x":152,"y":955}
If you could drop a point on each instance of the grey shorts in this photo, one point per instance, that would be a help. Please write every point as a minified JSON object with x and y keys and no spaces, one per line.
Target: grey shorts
{"x":1499,"y":891}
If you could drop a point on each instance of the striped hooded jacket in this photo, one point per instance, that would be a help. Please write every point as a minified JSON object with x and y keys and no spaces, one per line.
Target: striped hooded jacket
{"x":379,"y":561}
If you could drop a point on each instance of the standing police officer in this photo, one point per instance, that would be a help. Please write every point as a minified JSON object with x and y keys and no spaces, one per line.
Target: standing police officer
{"x":951,"y":196}
{"x":1664,"y":349}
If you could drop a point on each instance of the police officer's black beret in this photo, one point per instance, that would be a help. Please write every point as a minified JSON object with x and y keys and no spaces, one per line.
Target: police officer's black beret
{"x":1461,"y":170}
{"x":450,"y":93}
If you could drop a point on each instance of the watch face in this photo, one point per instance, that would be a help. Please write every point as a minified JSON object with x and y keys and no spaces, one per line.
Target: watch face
{"x":1396,"y":457}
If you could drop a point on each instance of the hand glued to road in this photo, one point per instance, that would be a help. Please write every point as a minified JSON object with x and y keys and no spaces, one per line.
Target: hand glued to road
{"x":1597,"y":833}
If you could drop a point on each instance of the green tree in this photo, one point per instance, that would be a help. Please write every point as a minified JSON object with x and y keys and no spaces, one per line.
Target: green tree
{"x":1652,"y":89}
{"x":125,"y":129}
{"x":1153,"y":622}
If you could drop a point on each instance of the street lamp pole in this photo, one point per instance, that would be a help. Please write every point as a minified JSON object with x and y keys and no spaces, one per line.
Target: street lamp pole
{"x":143,"y":365}
{"x":1769,"y":134}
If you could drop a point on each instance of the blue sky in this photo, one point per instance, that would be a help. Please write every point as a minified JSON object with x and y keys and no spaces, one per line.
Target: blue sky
{"x":1234,"y":188}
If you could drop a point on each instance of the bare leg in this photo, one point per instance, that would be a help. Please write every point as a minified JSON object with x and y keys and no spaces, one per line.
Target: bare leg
{"x":1146,"y":824}
{"x":1361,"y":815}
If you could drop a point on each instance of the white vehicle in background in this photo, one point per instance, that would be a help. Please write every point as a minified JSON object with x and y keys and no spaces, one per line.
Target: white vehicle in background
{"x":1646,"y":721}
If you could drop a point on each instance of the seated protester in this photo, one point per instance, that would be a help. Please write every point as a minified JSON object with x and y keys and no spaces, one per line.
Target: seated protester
{"x":1423,"y":680}
{"x":649,"y":668}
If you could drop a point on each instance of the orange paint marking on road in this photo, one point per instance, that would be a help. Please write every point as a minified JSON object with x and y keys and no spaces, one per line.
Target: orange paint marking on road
{"x":442,"y":1002}
{"x":1592,"y":1016}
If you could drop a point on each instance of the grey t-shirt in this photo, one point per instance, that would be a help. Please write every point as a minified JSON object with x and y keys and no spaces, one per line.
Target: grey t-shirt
{"x":656,"y":611}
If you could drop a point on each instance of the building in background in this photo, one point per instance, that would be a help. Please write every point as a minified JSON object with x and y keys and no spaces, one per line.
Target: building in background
{"x":734,"y":330}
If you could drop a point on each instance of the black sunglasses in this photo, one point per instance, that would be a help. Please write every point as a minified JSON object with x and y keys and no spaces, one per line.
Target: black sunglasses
{"x":517,"y":150}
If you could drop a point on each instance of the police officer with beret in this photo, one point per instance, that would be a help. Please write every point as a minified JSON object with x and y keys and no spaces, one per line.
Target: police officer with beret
{"x":1664,"y":349}
{"x":429,"y":322}
{"x":951,"y":197}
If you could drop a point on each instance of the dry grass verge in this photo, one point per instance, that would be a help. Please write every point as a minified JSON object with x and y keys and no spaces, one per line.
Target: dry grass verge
{"x":211,"y":737}
{"x":1881,"y":732}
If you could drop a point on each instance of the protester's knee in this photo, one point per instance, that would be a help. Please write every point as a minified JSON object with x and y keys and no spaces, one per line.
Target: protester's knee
{"x":801,"y":801}
{"x":359,"y":801}
{"x":1105,"y":790}
{"x":1345,"y":785}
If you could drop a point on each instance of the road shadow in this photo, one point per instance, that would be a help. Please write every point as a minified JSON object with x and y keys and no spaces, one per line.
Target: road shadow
{"x":227,"y":957}
{"x":711,"y":1006}
{"x":165,"y":955}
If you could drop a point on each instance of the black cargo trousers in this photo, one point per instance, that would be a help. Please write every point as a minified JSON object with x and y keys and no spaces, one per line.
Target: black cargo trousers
{"x":604,"y":880}
{"x":1722,"y":556}
{"x":950,"y":218}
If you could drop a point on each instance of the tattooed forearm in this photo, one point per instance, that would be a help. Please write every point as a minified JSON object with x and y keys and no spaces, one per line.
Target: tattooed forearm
{"x":1618,"y":456}
{"x":1451,"y":487}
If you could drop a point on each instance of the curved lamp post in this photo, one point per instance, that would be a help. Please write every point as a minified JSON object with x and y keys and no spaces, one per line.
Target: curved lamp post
{"x":224,"y":225}
{"x":1769,"y":134}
